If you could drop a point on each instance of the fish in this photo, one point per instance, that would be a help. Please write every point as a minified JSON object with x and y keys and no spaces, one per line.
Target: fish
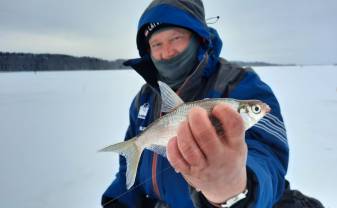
{"x":156,"y":136}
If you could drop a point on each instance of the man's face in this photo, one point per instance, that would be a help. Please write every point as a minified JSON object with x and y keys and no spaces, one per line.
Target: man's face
{"x":166,"y":44}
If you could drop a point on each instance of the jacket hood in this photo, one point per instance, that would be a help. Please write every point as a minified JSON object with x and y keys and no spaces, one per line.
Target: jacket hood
{"x":187,"y":14}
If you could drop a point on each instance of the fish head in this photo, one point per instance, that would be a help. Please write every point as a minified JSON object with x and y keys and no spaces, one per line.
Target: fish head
{"x":252,"y":111}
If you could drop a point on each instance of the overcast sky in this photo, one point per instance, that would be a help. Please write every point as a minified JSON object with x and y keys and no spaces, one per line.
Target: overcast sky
{"x":288,"y":31}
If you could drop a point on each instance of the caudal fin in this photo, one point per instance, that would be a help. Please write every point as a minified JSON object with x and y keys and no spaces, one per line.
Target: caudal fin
{"x":132,"y":153}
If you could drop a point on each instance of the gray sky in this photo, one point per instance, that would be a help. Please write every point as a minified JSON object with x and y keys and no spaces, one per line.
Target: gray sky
{"x":288,"y":31}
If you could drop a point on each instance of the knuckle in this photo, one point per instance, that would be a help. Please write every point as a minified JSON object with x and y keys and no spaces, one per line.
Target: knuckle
{"x":192,"y":155}
{"x":235,"y":126}
{"x":200,"y":169}
{"x":182,"y":167}
{"x":175,"y":162}
{"x":206,"y":138}
{"x":188,"y":150}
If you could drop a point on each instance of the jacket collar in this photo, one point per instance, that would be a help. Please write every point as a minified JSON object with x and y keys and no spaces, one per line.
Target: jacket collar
{"x":145,"y":68}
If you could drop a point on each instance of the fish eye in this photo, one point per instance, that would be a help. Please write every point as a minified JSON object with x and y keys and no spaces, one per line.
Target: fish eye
{"x":256,"y":109}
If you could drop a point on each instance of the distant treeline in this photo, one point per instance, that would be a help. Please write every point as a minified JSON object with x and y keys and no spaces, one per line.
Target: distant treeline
{"x":259,"y":63}
{"x":59,"y":62}
{"x":54,"y":62}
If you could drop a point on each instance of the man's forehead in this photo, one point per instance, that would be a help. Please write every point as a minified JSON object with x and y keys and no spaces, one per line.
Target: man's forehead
{"x":170,"y":31}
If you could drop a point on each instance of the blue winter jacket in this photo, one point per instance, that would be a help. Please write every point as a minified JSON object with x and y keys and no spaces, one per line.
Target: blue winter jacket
{"x":213,"y":77}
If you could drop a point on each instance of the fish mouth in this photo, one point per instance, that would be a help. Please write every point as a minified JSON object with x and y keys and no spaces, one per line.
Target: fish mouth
{"x":268,"y":109}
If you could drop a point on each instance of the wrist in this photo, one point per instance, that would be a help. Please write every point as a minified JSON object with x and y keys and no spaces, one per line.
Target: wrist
{"x":232,"y":201}
{"x":199,"y":200}
{"x":225,"y":191}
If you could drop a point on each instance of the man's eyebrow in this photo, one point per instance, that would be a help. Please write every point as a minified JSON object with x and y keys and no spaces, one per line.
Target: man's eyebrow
{"x":153,"y":40}
{"x":181,"y":31}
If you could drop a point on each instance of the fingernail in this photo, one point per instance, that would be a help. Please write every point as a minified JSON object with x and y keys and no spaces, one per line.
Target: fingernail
{"x":176,"y":171}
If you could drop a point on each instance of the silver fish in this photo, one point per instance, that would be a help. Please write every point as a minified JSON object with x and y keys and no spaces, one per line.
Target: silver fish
{"x":156,"y":136}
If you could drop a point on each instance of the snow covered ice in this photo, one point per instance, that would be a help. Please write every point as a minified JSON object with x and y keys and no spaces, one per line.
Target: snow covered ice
{"x":53,"y":123}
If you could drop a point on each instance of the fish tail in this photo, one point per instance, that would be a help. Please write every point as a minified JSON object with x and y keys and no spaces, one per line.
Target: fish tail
{"x":132,"y":152}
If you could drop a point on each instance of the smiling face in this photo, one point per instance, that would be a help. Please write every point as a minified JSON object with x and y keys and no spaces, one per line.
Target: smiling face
{"x":166,"y":44}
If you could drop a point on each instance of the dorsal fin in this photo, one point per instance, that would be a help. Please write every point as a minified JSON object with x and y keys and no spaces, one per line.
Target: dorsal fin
{"x":170,"y":100}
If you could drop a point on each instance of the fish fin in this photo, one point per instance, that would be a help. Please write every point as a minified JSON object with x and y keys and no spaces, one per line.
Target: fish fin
{"x":159,"y":149}
{"x":170,"y":100}
{"x":132,"y":152}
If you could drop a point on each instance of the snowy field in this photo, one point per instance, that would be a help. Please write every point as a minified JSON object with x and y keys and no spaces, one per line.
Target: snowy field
{"x":53,"y":123}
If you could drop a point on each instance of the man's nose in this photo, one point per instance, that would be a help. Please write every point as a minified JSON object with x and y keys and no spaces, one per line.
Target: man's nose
{"x":168,"y":52}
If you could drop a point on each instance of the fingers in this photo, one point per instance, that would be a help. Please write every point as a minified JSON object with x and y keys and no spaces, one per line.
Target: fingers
{"x":232,"y":124}
{"x":204,"y":133}
{"x":183,"y":152}
{"x":175,"y":158}
{"x":188,"y":147}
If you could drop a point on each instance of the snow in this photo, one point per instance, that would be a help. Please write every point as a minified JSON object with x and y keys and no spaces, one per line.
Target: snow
{"x":53,"y":123}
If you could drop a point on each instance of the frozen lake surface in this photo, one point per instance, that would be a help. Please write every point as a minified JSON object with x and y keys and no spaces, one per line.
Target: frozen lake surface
{"x":53,"y":123}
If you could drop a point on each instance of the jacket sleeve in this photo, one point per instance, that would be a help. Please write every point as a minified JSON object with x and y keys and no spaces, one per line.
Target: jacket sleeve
{"x":268,"y":150}
{"x":116,"y":194}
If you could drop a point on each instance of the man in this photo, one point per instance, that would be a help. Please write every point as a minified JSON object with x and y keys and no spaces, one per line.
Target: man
{"x":238,"y":169}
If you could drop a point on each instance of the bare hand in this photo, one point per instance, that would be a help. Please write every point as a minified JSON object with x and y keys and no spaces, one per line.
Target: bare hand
{"x":214,"y":164}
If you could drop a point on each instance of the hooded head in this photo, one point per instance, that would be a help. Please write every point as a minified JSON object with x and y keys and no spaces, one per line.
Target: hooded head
{"x":188,"y":14}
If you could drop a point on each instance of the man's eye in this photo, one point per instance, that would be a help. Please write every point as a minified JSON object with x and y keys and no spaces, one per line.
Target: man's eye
{"x":155,"y":45}
{"x":177,"y":38}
